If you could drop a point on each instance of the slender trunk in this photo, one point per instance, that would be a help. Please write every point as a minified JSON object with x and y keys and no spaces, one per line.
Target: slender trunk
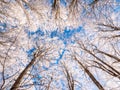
{"x":91,"y":76}
{"x":22,"y":74}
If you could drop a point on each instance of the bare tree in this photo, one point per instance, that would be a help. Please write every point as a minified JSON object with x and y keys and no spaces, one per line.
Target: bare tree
{"x":38,"y":54}
{"x":69,"y":77}
{"x":89,"y":74}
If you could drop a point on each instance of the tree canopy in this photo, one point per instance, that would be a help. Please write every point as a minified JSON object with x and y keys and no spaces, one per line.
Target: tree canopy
{"x":59,"y":44}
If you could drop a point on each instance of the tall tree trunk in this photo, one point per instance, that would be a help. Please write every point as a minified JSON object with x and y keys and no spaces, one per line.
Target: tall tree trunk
{"x":90,"y":75}
{"x":22,"y":74}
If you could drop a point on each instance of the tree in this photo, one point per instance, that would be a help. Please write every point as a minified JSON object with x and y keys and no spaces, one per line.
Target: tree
{"x":39,"y":54}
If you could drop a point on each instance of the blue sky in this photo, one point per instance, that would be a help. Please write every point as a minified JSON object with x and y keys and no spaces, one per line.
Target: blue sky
{"x":64,"y":36}
{"x":3,"y":27}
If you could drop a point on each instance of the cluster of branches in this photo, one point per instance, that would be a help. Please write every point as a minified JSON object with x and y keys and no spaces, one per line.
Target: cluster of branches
{"x":102,"y":54}
{"x":75,"y":8}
